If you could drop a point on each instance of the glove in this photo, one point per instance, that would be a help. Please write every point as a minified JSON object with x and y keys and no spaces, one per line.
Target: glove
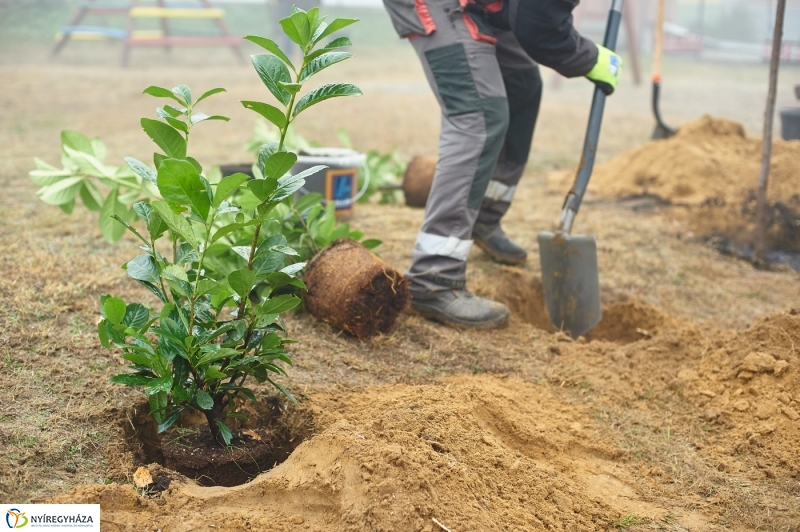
{"x":605,"y":73}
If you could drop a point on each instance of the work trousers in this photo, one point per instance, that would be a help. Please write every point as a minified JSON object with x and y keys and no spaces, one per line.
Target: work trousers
{"x":489,"y":92}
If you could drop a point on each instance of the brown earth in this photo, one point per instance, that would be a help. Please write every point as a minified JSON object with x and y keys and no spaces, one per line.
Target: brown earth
{"x":711,"y":167}
{"x":679,"y":412}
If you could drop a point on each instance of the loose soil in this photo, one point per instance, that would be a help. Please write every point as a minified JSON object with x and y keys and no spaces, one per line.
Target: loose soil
{"x":679,"y":412}
{"x":711,"y":168}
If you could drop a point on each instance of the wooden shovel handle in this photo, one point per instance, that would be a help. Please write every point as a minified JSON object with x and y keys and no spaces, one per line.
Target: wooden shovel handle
{"x":658,"y":47}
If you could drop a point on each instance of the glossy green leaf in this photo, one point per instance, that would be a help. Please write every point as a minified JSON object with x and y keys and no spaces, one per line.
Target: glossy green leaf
{"x":129,"y":379}
{"x":208,"y":93}
{"x":241,"y":281}
{"x":62,"y":191}
{"x":283,"y":390}
{"x":114,"y":310}
{"x":112,"y":230}
{"x":270,"y":112}
{"x":297,"y":28}
{"x":224,"y":432}
{"x":271,"y":70}
{"x":77,"y":141}
{"x":212,"y":374}
{"x":333,"y":27}
{"x":141,"y":169}
{"x":177,"y":223}
{"x":307,"y":200}
{"x":322,"y":62}
{"x":279,"y":304}
{"x":325,"y":92}
{"x":143,"y":268}
{"x":291,"y":88}
{"x":334,"y":44}
{"x":180,"y":125}
{"x":227,"y":186}
{"x":262,"y":188}
{"x":202,"y":117}
{"x":278,"y":164}
{"x":204,"y":400}
{"x":267,"y":263}
{"x":90,"y":196}
{"x":371,"y":243}
{"x":179,"y":182}
{"x":169,"y":420}
{"x":213,"y":355}
{"x":136,"y":315}
{"x":271,"y":46}
{"x":161,"y":92}
{"x":183,"y":92}
{"x":166,"y":137}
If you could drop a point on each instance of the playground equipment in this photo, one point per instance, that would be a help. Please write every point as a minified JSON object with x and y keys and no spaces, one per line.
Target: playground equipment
{"x":132,"y":37}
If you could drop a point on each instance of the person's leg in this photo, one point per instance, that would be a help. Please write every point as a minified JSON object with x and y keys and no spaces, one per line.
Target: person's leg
{"x":466,"y":79}
{"x":523,"y":85}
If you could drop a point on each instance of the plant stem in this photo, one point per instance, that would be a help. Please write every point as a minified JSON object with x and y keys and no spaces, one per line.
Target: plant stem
{"x":193,"y":299}
{"x":306,"y":228}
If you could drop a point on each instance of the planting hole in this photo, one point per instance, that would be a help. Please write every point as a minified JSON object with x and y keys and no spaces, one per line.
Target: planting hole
{"x":623,"y":322}
{"x":273,"y":430}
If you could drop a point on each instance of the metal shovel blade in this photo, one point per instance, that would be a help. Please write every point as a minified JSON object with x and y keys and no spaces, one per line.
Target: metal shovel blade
{"x":571,"y":281}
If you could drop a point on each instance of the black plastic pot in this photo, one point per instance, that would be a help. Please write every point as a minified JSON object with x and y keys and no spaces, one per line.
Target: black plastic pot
{"x":790,"y":123}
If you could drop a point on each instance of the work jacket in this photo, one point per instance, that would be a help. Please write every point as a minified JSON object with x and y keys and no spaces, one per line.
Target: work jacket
{"x":543,"y":28}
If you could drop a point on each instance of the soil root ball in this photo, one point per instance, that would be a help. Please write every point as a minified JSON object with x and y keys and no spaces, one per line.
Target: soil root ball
{"x":352,"y":289}
{"x":417,"y":181}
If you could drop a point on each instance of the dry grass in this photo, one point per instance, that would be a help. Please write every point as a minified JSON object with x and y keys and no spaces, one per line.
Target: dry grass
{"x":60,"y":420}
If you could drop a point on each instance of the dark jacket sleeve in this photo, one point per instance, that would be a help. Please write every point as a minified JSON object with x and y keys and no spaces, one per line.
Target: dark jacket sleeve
{"x":544,"y":29}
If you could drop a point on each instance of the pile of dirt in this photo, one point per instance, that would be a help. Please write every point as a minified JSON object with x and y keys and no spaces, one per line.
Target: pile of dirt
{"x":471,"y":452}
{"x":740,"y":389}
{"x":711,"y":166}
{"x":491,"y":452}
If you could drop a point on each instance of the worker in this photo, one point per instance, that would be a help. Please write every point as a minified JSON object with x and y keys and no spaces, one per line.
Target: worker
{"x":480,"y":58}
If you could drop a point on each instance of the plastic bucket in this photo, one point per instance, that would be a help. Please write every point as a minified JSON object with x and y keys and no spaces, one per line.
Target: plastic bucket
{"x":338,"y":183}
{"x":790,"y":123}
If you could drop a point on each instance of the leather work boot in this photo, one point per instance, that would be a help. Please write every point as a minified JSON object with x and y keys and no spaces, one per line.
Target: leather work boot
{"x":491,"y":239}
{"x":462,"y":309}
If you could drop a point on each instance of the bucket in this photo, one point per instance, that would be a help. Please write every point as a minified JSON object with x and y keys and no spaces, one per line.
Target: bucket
{"x":338,"y":182}
{"x":790,"y":123}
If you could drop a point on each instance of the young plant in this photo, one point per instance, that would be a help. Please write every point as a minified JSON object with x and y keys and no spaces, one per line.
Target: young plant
{"x":210,"y":334}
{"x":109,"y":190}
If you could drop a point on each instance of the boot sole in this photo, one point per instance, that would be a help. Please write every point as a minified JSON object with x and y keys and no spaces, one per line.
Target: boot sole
{"x":494,"y":323}
{"x":499,"y":257}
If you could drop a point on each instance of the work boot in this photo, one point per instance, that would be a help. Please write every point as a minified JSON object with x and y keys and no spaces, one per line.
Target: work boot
{"x":462,"y":309}
{"x":491,"y":239}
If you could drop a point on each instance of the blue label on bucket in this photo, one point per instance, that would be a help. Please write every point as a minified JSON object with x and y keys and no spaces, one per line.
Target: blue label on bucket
{"x":341,"y":188}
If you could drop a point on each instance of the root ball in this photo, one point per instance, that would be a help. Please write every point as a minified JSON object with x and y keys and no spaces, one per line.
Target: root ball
{"x":352,"y":289}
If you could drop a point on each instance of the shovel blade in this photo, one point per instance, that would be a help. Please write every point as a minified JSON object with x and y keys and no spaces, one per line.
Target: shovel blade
{"x":662,"y":131}
{"x":571,"y":281}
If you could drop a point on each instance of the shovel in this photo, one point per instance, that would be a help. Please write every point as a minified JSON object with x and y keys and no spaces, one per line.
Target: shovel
{"x":662,"y":130}
{"x":569,"y":262}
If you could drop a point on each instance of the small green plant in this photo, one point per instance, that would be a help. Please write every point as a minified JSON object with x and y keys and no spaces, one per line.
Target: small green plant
{"x":624,"y":523}
{"x":211,"y":334}
{"x":109,"y":190}
{"x":381,"y":172}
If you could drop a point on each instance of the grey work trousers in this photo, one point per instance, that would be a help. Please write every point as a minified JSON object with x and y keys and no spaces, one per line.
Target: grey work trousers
{"x":489,"y":92}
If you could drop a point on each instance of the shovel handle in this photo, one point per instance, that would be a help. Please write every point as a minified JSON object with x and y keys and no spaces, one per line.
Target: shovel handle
{"x":575,"y":196}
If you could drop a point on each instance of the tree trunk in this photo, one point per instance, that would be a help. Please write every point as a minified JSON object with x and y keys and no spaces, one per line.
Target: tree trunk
{"x":766,"y":153}
{"x":217,"y":413}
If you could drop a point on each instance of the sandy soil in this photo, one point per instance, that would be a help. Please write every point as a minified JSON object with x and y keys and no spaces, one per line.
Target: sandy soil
{"x":679,"y":412}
